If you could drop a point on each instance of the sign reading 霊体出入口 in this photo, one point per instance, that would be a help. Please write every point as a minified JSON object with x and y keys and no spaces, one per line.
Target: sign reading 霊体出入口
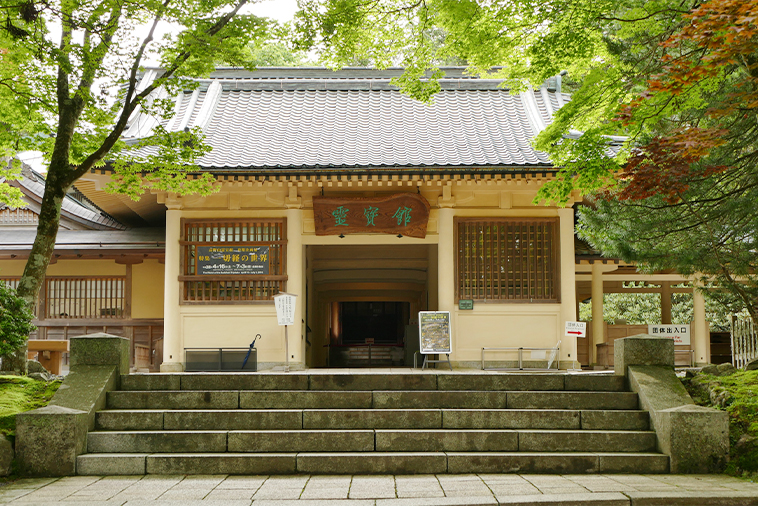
{"x":238,"y":260}
{"x":679,"y":333}
{"x":400,"y":213}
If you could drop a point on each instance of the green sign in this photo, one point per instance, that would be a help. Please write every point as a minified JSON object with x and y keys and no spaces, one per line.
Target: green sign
{"x":465,"y":304}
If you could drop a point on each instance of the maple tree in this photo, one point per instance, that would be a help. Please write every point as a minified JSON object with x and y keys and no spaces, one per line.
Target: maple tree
{"x":661,"y":125}
{"x":686,"y":197}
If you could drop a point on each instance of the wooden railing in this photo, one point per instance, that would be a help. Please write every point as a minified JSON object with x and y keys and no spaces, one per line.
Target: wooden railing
{"x":145,"y":335}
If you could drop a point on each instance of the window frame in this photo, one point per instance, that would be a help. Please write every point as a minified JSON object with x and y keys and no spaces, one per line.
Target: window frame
{"x":185,"y":247}
{"x":554,"y":265}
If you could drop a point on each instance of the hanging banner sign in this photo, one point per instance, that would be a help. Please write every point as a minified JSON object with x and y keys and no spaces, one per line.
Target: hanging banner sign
{"x":401,"y":213}
{"x":679,"y":333}
{"x":239,"y":260}
{"x":285,"y":308}
{"x":434,"y":332}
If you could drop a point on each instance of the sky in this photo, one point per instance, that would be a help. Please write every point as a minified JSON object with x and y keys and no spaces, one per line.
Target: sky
{"x":281,"y":10}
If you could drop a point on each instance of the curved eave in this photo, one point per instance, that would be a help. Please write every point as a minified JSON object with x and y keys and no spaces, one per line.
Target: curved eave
{"x":337,"y":170}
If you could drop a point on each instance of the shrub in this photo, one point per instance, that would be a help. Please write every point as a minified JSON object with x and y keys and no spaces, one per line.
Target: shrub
{"x":15,"y":320}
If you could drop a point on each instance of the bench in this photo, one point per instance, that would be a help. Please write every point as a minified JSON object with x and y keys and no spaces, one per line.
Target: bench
{"x":48,"y":352}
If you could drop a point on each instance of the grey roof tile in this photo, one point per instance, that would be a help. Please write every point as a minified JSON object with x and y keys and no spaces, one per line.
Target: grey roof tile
{"x":321,"y":122}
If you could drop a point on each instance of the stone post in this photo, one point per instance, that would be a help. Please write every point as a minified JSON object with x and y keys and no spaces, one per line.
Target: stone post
{"x":695,"y":438}
{"x":49,"y":439}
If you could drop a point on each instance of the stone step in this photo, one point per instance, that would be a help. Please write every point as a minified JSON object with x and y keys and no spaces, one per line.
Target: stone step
{"x":370,"y":463}
{"x":295,"y":419}
{"x":388,"y":399}
{"x":381,"y":440}
{"x":352,"y":381}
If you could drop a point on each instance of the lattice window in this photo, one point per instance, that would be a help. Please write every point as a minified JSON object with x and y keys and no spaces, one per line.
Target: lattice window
{"x":507,"y":259}
{"x":10,"y":216}
{"x":85,"y":297}
{"x":212,"y":249}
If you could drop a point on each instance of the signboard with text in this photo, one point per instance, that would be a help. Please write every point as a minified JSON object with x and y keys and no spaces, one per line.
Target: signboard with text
{"x":402,"y":213}
{"x":285,"y":308}
{"x":577,"y":329}
{"x":239,"y":260}
{"x":679,"y":333}
{"x":434,"y":332}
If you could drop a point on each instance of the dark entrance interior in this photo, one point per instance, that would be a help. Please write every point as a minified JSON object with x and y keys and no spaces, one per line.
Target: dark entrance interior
{"x":378,"y":322}
{"x":368,"y":333}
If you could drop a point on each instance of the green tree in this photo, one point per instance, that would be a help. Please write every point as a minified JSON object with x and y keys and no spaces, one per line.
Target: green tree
{"x":15,"y":320}
{"x":661,"y":128}
{"x":69,"y":73}
{"x":645,"y":308}
{"x":275,"y":54}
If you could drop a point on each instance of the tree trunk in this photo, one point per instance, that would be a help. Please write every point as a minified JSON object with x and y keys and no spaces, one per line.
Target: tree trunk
{"x":41,"y":253}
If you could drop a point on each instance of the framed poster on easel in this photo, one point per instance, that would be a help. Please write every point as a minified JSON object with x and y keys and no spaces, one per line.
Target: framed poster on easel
{"x":434,"y":335}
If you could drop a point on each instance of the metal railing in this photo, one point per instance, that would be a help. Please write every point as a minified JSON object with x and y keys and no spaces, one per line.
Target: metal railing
{"x":553,"y":358}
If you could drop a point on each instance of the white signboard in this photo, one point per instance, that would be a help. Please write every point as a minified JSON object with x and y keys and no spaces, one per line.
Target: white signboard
{"x":679,"y":333}
{"x":578,"y":329}
{"x":434,"y":332}
{"x":285,"y":308}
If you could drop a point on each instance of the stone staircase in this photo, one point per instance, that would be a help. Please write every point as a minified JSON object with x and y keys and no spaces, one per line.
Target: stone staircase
{"x":331,"y":422}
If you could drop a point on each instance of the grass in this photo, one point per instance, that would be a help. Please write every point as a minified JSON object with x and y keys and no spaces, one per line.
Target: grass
{"x":737,"y":394}
{"x":19,"y":394}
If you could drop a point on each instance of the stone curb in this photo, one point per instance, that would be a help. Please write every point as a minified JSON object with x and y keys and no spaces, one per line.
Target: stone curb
{"x":690,"y":498}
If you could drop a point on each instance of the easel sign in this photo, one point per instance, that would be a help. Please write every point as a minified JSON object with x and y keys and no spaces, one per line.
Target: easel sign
{"x":434,"y":335}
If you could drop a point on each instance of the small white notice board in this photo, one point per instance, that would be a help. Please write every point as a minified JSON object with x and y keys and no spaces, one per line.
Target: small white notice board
{"x":577,"y":329}
{"x":285,"y":308}
{"x":679,"y":333}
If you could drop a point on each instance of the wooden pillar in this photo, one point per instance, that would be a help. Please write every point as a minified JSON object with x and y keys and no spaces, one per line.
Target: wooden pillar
{"x":598,"y":329}
{"x":446,"y":268}
{"x":666,"y":303}
{"x":700,"y":335}
{"x":296,"y":283}
{"x":173,"y":342}
{"x":568,"y":285}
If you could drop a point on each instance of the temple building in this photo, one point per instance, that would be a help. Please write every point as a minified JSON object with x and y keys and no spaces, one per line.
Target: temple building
{"x":369,"y":206}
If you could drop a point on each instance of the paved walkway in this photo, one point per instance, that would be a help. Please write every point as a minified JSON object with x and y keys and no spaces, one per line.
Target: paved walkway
{"x":418,"y":490}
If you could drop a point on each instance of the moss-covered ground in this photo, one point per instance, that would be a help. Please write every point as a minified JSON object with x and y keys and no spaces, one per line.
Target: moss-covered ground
{"x":737,"y":394}
{"x":18,"y":394}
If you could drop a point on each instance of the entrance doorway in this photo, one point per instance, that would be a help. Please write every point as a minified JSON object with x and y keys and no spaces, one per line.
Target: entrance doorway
{"x":363,"y":302}
{"x":368,"y":334}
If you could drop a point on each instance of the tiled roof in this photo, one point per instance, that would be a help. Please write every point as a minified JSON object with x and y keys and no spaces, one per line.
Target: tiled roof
{"x":316,"y":119}
{"x":34,"y":186}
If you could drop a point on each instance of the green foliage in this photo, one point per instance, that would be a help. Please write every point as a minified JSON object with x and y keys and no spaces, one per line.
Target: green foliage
{"x":645,"y":309}
{"x":275,"y":54}
{"x":738,"y":395}
{"x":19,"y":394}
{"x":69,"y":73}
{"x":15,"y":320}
{"x":712,"y":236}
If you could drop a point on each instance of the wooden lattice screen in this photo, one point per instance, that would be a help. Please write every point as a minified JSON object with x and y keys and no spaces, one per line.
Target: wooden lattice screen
{"x":233,"y":289}
{"x":507,"y":259}
{"x":84,"y":297}
{"x":79,"y":297}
